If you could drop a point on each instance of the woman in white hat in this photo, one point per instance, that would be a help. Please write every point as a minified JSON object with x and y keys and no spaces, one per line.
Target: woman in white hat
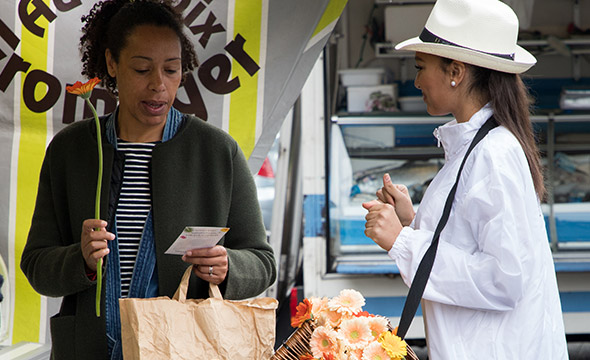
{"x":492,"y":292}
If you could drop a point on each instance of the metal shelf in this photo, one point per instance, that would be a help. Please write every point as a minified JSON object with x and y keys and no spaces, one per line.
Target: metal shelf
{"x":404,"y":153}
{"x":403,"y":118}
{"x":390,"y":119}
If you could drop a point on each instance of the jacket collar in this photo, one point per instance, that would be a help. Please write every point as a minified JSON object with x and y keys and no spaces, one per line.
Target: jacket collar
{"x":455,"y":136}
{"x":174,"y":121}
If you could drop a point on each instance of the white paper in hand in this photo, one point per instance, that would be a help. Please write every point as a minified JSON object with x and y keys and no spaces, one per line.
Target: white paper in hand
{"x":196,"y":237}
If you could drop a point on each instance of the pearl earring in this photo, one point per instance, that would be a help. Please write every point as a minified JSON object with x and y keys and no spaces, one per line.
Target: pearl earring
{"x":453,"y":83}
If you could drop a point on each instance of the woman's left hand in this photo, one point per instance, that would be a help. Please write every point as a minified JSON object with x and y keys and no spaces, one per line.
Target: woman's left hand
{"x":382,"y":226}
{"x":210,"y":264}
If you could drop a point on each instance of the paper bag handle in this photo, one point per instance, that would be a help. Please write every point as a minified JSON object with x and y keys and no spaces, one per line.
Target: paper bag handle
{"x":180,"y":293}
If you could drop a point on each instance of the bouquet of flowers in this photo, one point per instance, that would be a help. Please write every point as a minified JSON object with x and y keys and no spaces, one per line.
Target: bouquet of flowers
{"x":341,"y":330}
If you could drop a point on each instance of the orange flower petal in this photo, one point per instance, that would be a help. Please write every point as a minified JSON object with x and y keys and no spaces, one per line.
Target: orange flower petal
{"x":303,"y":313}
{"x":85,"y":89}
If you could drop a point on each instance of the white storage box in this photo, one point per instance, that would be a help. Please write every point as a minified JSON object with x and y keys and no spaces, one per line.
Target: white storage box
{"x":412,"y":104}
{"x":357,"y":96}
{"x":405,"y":21}
{"x":361,"y":77}
{"x":575,"y":99}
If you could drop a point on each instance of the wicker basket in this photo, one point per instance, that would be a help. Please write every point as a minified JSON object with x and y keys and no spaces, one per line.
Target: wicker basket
{"x":297,"y":344}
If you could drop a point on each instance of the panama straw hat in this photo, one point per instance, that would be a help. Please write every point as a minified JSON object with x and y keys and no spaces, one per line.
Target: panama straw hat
{"x":477,"y":32}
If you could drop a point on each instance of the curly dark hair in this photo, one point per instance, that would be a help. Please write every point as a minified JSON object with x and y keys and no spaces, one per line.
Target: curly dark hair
{"x":110,"y":22}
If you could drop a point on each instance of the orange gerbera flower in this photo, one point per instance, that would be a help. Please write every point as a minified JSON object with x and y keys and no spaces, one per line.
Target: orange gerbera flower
{"x":303,"y":313}
{"x":363,"y":314}
{"x":83,"y":90}
{"x":306,"y":357}
{"x":329,"y":356}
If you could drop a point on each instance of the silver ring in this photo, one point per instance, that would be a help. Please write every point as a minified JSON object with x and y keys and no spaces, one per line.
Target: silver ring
{"x":210,"y":270}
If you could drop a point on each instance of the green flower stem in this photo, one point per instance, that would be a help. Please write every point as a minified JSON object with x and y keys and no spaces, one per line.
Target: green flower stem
{"x":97,"y":202}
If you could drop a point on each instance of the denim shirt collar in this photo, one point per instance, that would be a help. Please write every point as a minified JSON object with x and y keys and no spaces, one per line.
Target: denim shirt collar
{"x":174,"y":121}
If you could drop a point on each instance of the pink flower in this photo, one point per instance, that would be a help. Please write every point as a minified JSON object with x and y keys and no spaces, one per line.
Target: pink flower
{"x":318,"y":305}
{"x":323,"y":341}
{"x":331,"y":318}
{"x":378,"y":325}
{"x":375,"y":352}
{"x":348,"y":302}
{"x":355,"y":333}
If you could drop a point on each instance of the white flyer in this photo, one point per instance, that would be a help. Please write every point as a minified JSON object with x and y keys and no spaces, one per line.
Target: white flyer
{"x":196,"y":237}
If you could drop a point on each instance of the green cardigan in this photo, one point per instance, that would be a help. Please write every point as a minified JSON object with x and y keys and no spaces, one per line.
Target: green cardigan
{"x":200,"y":177}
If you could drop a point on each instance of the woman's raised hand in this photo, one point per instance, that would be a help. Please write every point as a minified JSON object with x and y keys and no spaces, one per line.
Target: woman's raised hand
{"x":397,"y":196}
{"x":383,"y":225}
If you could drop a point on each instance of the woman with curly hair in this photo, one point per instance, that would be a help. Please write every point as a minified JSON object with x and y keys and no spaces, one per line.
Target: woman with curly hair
{"x":164,"y":170}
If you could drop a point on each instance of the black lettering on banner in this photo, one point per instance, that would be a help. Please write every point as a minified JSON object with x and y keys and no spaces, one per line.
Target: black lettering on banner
{"x":236,"y":49}
{"x":28,"y":20}
{"x":182,"y":5}
{"x":219,"y":84}
{"x":196,"y":104}
{"x":14,"y":65}
{"x":207,"y":29}
{"x":98,"y":94}
{"x":9,"y":37}
{"x":193,"y":14}
{"x":63,"y":6}
{"x":49,"y":99}
{"x":69,"y":114}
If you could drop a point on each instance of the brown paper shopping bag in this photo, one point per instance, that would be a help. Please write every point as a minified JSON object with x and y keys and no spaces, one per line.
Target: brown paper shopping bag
{"x":211,"y":329}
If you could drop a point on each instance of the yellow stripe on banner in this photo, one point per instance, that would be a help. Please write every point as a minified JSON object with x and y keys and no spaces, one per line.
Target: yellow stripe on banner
{"x":332,"y":13}
{"x":33,"y":136}
{"x":242,"y":111}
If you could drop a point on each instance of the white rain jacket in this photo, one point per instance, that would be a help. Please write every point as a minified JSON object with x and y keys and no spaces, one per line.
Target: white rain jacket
{"x":492,"y":293}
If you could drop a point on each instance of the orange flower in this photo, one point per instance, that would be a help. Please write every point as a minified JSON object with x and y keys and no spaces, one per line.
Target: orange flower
{"x":329,"y":356}
{"x":306,"y":357}
{"x":363,"y":314}
{"x":303,"y":313}
{"x":83,"y":90}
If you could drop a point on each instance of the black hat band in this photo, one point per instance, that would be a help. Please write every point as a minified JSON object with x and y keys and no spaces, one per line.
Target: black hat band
{"x":428,"y":37}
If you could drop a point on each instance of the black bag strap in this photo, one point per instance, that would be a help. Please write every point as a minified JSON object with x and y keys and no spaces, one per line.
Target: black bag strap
{"x":423,"y":271}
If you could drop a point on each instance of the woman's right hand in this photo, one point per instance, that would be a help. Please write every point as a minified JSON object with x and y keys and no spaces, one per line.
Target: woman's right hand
{"x":94,"y":241}
{"x":398,"y":196}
